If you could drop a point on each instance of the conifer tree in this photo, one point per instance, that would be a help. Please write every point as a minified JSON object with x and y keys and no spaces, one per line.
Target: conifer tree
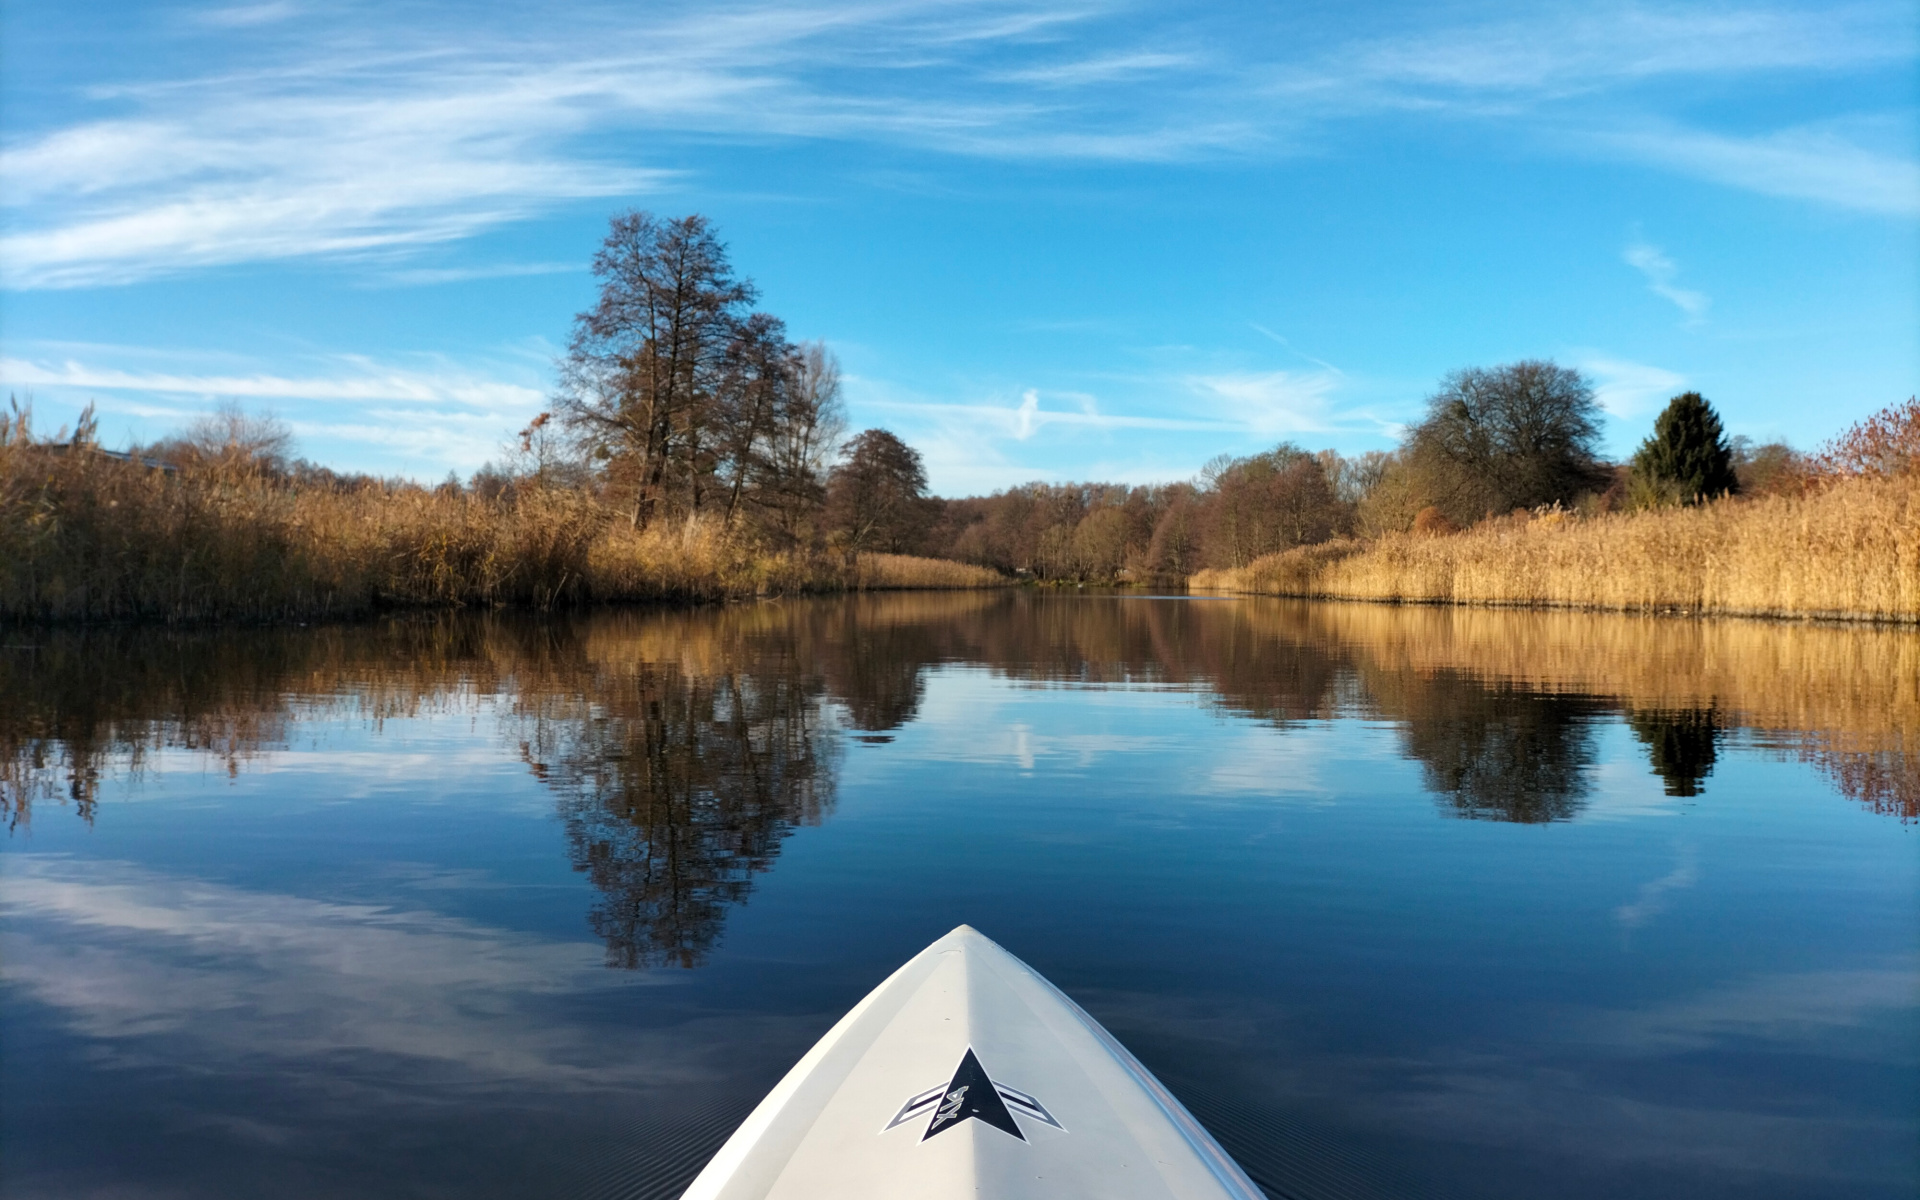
{"x":1688,"y":458}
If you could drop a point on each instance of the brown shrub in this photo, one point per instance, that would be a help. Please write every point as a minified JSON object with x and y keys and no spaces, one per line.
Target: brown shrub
{"x":1887,"y":443}
{"x":1431,"y":522}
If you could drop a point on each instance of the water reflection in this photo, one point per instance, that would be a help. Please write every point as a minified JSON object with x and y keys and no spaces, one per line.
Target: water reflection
{"x":682,"y":748}
{"x":1681,"y":743}
{"x":675,"y":788}
{"x":1497,"y":752}
{"x":348,"y":935}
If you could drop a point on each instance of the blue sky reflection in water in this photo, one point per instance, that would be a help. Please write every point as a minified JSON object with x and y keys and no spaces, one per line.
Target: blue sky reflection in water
{"x":1394,"y":899}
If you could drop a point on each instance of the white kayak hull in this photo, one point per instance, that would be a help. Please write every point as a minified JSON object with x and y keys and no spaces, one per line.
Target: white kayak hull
{"x":967,"y":1074}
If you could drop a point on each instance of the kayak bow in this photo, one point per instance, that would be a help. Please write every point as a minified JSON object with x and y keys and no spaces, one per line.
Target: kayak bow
{"x":967,"y":1074}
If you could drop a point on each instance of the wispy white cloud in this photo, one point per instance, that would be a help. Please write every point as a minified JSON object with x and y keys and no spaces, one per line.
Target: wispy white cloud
{"x":240,"y":16}
{"x":1101,"y":69}
{"x":1020,"y":422}
{"x":1281,"y":340}
{"x":1783,"y":1007}
{"x":1652,"y":262}
{"x":299,"y":178}
{"x":1655,"y":895}
{"x":377,"y":137}
{"x":1557,"y":53}
{"x":248,"y":979}
{"x":1591,"y":1107}
{"x":1269,"y":402}
{"x":1826,"y":163}
{"x":365,"y":380}
{"x":430,"y":276}
{"x":1627,"y":389}
{"x":424,"y":417}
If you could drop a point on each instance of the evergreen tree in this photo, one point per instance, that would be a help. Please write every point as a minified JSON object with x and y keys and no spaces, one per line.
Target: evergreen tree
{"x":1688,"y":457}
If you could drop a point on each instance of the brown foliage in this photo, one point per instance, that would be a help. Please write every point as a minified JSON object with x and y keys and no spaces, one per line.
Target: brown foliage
{"x":1431,"y":522}
{"x":89,"y":537}
{"x":1849,"y":550}
{"x":1887,"y":443}
{"x":1243,"y":508}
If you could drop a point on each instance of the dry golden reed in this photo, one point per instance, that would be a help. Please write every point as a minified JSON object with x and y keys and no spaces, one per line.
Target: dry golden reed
{"x":1850,"y":550}
{"x":86,"y":537}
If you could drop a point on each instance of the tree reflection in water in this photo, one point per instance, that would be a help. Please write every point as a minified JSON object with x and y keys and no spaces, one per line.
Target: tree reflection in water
{"x":1494,"y":751}
{"x":1681,"y":744}
{"x":675,"y":788}
{"x":683,"y":748}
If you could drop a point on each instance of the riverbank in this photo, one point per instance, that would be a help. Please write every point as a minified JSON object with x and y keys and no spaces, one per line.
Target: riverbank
{"x":85,"y":537}
{"x":1848,"y":550}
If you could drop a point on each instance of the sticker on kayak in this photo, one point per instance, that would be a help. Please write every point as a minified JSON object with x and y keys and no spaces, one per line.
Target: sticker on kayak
{"x":970,"y":1094}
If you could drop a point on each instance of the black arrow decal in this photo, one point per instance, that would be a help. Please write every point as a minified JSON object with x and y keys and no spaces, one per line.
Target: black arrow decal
{"x":972,"y":1094}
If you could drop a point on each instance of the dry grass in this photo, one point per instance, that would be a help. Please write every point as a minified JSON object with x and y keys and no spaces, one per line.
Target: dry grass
{"x":1850,"y":551}
{"x":880,"y":572}
{"x":84,"y":537}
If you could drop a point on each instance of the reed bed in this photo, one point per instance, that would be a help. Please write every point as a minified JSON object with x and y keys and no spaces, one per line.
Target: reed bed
{"x":84,"y":537}
{"x":903,"y":572}
{"x":1849,"y":550}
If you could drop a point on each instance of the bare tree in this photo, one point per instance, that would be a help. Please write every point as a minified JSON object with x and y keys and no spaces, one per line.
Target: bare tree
{"x":1175,"y":549}
{"x":1521,"y":435}
{"x":876,"y":498}
{"x":230,"y":439}
{"x":1354,"y":479}
{"x":803,"y":441}
{"x":1265,"y":503}
{"x":645,"y":364}
{"x":752,"y":400}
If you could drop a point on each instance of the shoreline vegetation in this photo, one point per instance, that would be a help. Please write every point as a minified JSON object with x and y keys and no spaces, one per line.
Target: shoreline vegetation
{"x":86,"y":536}
{"x":1847,"y":551}
{"x":1498,"y":499}
{"x":215,"y":527}
{"x":692,"y":453}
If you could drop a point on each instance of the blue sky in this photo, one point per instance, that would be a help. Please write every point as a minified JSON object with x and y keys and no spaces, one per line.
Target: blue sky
{"x":1058,"y":241}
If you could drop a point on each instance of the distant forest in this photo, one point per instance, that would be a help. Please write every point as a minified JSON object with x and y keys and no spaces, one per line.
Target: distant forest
{"x":1522,"y":436}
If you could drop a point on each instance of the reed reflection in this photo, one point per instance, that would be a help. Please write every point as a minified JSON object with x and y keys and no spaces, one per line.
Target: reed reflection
{"x":682,"y":748}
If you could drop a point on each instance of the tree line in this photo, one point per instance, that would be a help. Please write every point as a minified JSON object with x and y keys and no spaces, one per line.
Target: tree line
{"x":1522,"y":436}
{"x":678,"y":399}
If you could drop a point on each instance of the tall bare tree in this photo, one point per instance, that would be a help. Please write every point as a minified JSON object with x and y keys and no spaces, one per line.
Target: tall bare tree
{"x":751,"y":401}
{"x":647,"y":361}
{"x":802,"y":442}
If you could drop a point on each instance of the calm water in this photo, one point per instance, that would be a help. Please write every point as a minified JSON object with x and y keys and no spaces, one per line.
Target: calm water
{"x":1401,"y":902}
